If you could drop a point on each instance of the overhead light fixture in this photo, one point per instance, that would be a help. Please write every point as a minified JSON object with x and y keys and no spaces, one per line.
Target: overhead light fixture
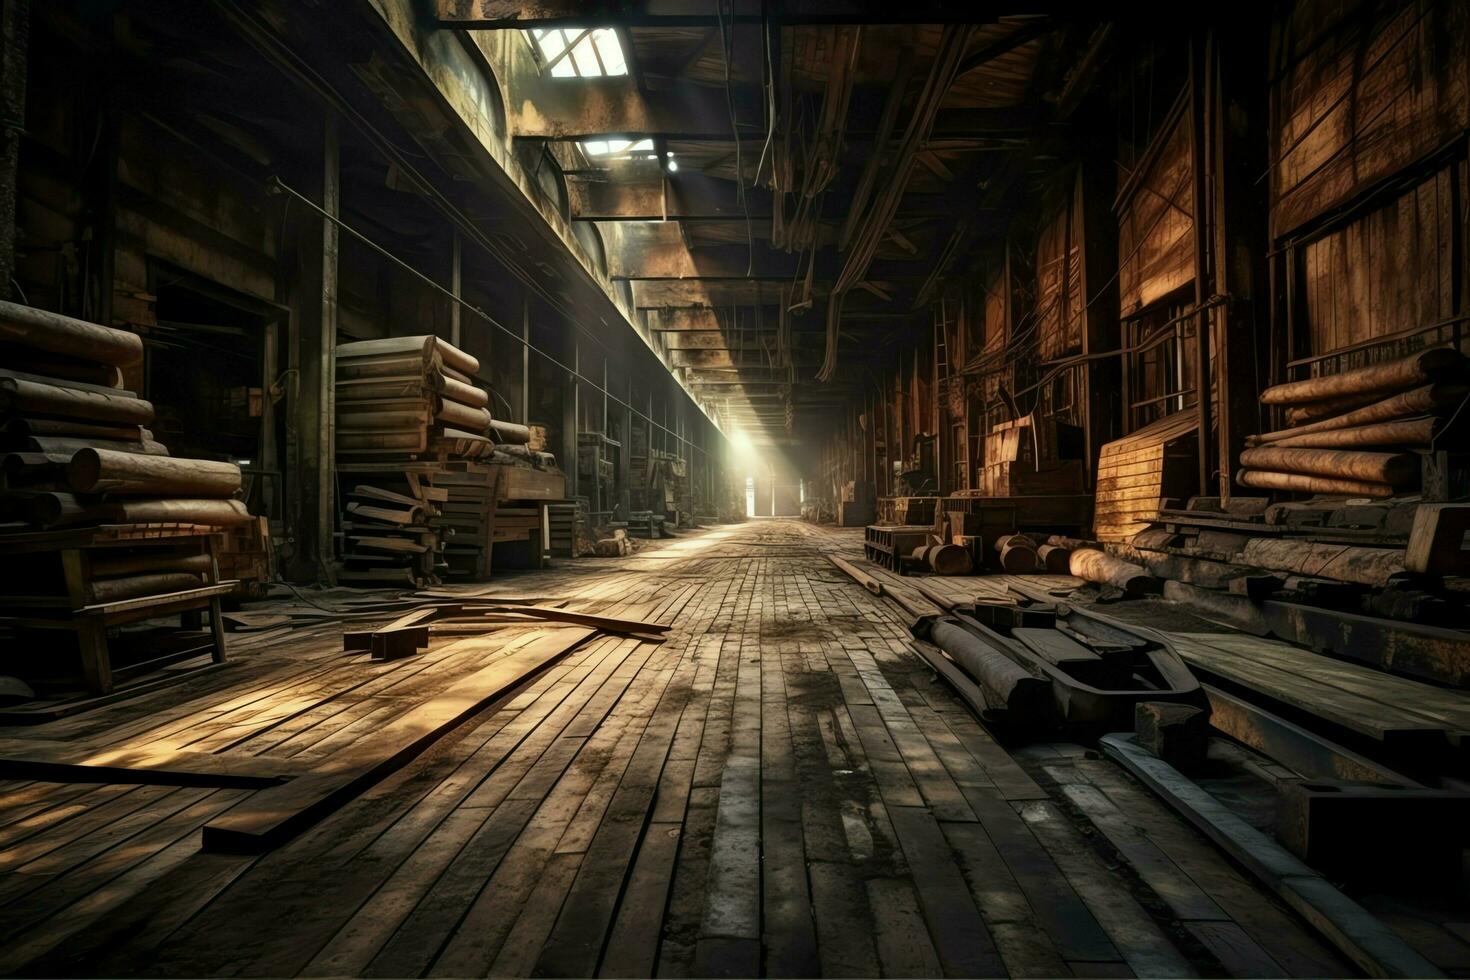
{"x":673,"y":165}
{"x":607,"y":148}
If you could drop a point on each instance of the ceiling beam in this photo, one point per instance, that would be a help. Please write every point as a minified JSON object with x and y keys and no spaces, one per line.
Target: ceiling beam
{"x":504,"y":14}
{"x":546,"y":108}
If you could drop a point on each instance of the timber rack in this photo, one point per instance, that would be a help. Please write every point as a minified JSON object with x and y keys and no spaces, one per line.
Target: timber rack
{"x":89,"y":580}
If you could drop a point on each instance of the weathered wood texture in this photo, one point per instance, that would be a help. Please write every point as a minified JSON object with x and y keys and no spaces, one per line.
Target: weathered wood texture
{"x":781,"y":788}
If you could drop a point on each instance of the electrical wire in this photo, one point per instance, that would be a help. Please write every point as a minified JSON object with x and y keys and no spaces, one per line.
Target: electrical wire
{"x":283,"y":187}
{"x":291,"y":63}
{"x":727,"y":49}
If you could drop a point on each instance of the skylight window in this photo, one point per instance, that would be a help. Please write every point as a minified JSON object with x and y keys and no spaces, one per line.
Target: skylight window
{"x":618,"y":149}
{"x":572,"y":52}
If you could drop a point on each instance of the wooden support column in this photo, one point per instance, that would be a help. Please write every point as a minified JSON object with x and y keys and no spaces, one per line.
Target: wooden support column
{"x":625,"y":493}
{"x":570,"y":412}
{"x":15,"y":31}
{"x":1101,"y":388}
{"x":1200,"y":58}
{"x":315,"y":409}
{"x":526,"y":358}
{"x":456,"y":270}
{"x":1240,"y":140}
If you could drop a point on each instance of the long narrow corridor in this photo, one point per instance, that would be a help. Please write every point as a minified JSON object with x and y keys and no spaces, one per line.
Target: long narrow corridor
{"x":782,"y":788}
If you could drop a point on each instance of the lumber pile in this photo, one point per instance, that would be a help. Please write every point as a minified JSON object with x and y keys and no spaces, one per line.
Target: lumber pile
{"x":1358,"y":433}
{"x":75,"y":447}
{"x":411,"y":417}
{"x":390,"y":538}
{"x":413,"y":397}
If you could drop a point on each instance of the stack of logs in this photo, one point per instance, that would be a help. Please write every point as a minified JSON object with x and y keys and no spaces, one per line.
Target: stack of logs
{"x":1028,"y":554}
{"x":412,"y":397}
{"x":1358,"y":433}
{"x":75,"y":447}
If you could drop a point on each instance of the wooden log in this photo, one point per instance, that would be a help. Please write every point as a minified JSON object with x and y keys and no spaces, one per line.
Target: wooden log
{"x":1104,"y":569}
{"x":24,"y":397}
{"x":1023,"y":694}
{"x":465,"y":394}
{"x":56,"y":509}
{"x":74,"y":428}
{"x":510,"y":432}
{"x":131,"y":586}
{"x":1416,"y":369}
{"x":75,"y":444}
{"x":1407,"y":432}
{"x":21,"y":469}
{"x":463,"y":416}
{"x":426,"y":347}
{"x":1418,"y":401}
{"x":1056,"y":559}
{"x":1307,"y":483}
{"x":1395,"y":469}
{"x":59,"y":366}
{"x":1019,"y":556}
{"x":943,"y":559}
{"x":1325,"y":409}
{"x":42,"y":330}
{"x":111,"y":566}
{"x":106,"y":471}
{"x":1344,"y":563}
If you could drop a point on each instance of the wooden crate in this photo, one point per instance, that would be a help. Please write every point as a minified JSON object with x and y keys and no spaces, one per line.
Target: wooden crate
{"x":889,"y":545}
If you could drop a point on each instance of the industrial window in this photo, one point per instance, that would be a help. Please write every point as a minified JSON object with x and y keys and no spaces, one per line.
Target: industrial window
{"x":571,"y":52}
{"x":619,"y":149}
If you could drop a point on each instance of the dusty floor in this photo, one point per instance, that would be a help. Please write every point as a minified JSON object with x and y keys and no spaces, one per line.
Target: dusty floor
{"x":781,"y":788}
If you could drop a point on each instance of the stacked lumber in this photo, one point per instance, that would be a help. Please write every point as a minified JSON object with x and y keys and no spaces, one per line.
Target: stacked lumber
{"x":75,"y":447}
{"x":1358,"y":433}
{"x":414,"y":397}
{"x":390,"y":538}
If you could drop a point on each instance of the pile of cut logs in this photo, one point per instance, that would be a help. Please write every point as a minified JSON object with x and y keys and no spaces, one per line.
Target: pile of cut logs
{"x":75,"y":447}
{"x":414,"y":397}
{"x":1357,"y":433}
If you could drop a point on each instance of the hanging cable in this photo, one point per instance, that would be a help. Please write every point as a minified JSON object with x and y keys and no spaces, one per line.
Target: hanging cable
{"x":282,"y":187}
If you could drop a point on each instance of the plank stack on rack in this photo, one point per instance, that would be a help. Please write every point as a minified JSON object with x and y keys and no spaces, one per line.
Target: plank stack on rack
{"x":1360,"y":433}
{"x":469,"y":511}
{"x":77,"y":458}
{"x":390,"y":538}
{"x":411,"y":426}
{"x":410,"y":398}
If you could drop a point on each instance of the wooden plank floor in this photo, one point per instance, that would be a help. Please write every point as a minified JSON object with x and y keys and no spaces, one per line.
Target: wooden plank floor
{"x":781,"y":788}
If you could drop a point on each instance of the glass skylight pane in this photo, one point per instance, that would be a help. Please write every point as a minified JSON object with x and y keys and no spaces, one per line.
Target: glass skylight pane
{"x":551,"y":44}
{"x":563,"y":69}
{"x":586,"y":59}
{"x":610,"y":50}
{"x":616,"y":146}
{"x":596,"y":148}
{"x":643,"y":144}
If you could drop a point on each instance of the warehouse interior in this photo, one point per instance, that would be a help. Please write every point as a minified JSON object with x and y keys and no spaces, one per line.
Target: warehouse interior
{"x":737,"y":488}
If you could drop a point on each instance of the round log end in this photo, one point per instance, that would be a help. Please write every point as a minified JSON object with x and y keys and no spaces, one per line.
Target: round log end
{"x":84,"y":470}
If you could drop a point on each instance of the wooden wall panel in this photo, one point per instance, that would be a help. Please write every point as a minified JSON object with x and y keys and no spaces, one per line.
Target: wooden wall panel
{"x":1155,"y":221}
{"x":1388,"y":272}
{"x":1367,"y":90}
{"x":1059,"y":298}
